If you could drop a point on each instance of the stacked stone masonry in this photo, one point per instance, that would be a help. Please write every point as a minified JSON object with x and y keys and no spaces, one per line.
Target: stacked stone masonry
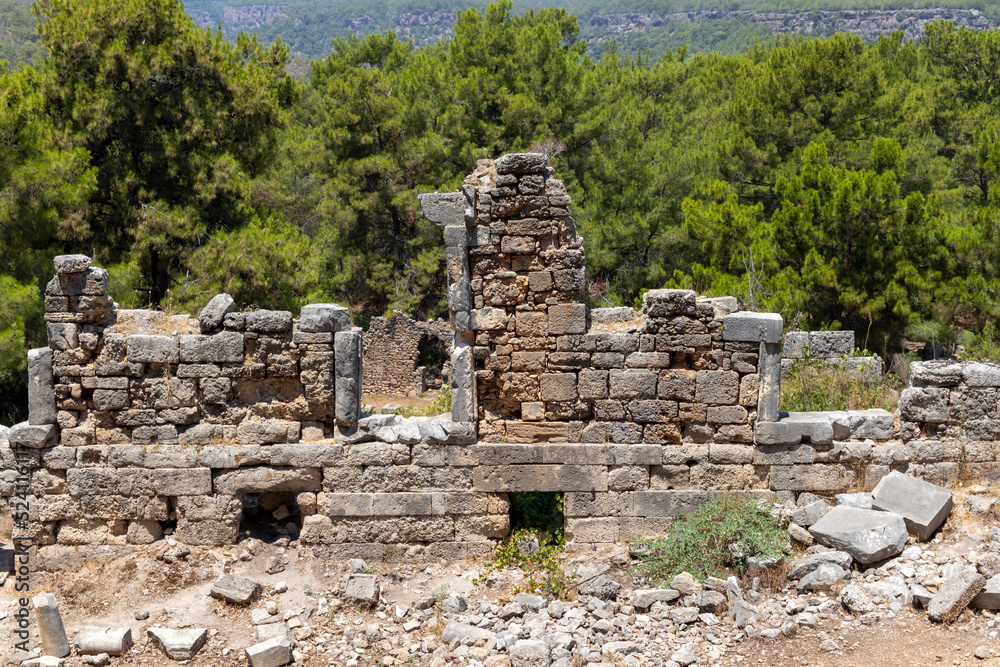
{"x":829,"y":347}
{"x":392,"y":353}
{"x":142,"y":424}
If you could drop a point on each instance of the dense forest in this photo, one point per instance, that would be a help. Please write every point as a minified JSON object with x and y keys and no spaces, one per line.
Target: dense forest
{"x":841,"y":183}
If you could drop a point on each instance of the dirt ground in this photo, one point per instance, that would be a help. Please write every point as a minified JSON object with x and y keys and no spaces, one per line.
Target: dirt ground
{"x":176,"y":595}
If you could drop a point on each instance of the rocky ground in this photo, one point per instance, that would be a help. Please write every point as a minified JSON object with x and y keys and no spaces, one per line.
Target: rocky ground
{"x":433,"y":614}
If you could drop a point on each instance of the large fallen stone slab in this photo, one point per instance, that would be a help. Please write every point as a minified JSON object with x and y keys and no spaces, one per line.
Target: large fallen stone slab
{"x":810,"y":562}
{"x":272,"y":653}
{"x":869,"y":536}
{"x":989,"y":596}
{"x":361,"y":589}
{"x":955,"y":595}
{"x":113,"y":641}
{"x":179,"y":644}
{"x":923,"y":506}
{"x":237,"y":590}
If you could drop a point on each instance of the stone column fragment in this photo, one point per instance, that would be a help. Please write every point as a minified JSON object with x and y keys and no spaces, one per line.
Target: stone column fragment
{"x":50,"y":625}
{"x":770,"y":382}
{"x":347,"y":366}
{"x":41,"y":387}
{"x":463,"y":384}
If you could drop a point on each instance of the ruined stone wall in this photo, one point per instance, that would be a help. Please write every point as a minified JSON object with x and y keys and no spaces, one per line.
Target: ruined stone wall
{"x":392,"y":352}
{"x":142,"y":424}
{"x":546,"y":369}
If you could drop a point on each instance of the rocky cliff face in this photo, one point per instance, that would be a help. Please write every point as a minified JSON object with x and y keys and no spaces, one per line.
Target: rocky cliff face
{"x":868,"y":23}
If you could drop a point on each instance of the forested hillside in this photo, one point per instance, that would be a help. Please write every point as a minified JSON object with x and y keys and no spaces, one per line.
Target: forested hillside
{"x":841,"y":183}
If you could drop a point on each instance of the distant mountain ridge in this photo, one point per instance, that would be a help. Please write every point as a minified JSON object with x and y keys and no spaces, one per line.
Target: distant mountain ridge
{"x":309,"y":27}
{"x":655,"y":26}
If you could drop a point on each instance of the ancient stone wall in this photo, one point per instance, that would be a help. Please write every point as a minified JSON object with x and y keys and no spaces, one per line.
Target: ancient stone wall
{"x":546,"y":369}
{"x":142,"y":424}
{"x":392,"y":353}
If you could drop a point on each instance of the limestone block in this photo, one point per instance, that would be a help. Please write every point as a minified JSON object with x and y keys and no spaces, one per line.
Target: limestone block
{"x":235,"y":590}
{"x":531,"y":324}
{"x":558,"y":387}
{"x":633,"y":384}
{"x":795,"y":345}
{"x":816,"y":477}
{"x":717,"y":387}
{"x":153,"y":349}
{"x":111,"y":399}
{"x":263,"y":431}
{"x":923,"y":506}
{"x":924,"y":404}
{"x":768,"y":382}
{"x":867,"y":535}
{"x":981,"y":375}
{"x":668,"y":302}
{"x":955,"y":595}
{"x":213,"y":314}
{"x":41,"y":388}
{"x":463,"y":384}
{"x":71,"y":263}
{"x":144,"y":532}
{"x":217,"y":507}
{"x":266,"y":479}
{"x":488,"y":319}
{"x":444,"y":208}
{"x":521,"y":163}
{"x":92,"y":282}
{"x":540,"y":478}
{"x":269,"y":321}
{"x":33,"y":436}
{"x":180,"y":644}
{"x":181,"y":481}
{"x":63,"y":335}
{"x":318,"y":317}
{"x":217,"y":348}
{"x":667,"y":503}
{"x":207,"y":533}
{"x":830,"y":343}
{"x":274,"y":652}
{"x":936,"y":373}
{"x":568,"y":318}
{"x":753,"y":327}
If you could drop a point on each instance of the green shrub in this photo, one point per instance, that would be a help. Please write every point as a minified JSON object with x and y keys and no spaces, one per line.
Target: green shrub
{"x":542,"y":569}
{"x":814,"y":385}
{"x":716,"y":539}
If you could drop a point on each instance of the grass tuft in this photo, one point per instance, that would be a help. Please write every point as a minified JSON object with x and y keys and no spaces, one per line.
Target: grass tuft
{"x":813,"y":385}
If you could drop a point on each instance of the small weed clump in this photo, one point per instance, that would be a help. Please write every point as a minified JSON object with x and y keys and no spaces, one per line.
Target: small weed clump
{"x":716,"y":539}
{"x":537,"y":556}
{"x":438,"y":406}
{"x":814,"y":385}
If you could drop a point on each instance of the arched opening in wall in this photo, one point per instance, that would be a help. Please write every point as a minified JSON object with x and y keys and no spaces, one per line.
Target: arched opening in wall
{"x":432,"y":356}
{"x":539,"y":512}
{"x":271,"y":516}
